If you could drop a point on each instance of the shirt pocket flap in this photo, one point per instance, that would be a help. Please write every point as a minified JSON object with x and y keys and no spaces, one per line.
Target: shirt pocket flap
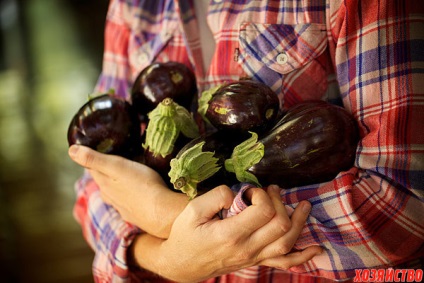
{"x":283,"y":48}
{"x":143,"y":53}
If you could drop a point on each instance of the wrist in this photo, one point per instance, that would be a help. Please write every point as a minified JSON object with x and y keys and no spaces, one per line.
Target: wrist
{"x":144,"y":254}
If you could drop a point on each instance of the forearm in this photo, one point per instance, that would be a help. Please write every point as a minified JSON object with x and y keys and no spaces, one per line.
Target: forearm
{"x":143,"y":253}
{"x":167,"y":205}
{"x":151,"y":206}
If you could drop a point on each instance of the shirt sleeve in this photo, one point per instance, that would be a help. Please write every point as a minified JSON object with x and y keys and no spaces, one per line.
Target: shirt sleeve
{"x":105,"y":231}
{"x":116,"y":71}
{"x":371,"y":215}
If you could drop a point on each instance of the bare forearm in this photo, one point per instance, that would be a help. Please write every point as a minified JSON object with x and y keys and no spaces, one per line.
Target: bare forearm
{"x":143,"y":253}
{"x":167,"y":205}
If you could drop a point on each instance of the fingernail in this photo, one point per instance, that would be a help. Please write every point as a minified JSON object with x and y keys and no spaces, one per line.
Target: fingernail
{"x":73,"y":150}
{"x":274,"y":188}
{"x":306,"y":208}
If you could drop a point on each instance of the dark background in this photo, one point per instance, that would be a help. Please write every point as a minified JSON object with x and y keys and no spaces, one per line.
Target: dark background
{"x":50,"y":59}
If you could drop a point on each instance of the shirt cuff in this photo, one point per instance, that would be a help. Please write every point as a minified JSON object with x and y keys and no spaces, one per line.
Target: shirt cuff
{"x":239,"y":203}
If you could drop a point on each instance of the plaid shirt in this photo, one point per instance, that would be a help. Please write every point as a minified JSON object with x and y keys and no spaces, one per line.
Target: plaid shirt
{"x":366,"y":55}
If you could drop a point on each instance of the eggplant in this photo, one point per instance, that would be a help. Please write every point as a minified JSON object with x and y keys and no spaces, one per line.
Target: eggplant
{"x":161,"y":164}
{"x":170,"y":127}
{"x":108,"y":124}
{"x":312,"y":143}
{"x":159,"y":81}
{"x":199,"y":165}
{"x":243,"y":106}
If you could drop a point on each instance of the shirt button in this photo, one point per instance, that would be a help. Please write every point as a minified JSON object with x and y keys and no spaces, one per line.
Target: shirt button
{"x":282,"y":58}
{"x":143,"y":58}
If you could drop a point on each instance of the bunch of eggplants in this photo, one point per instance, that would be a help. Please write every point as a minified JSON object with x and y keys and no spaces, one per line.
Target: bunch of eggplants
{"x":308,"y":143}
{"x":151,"y":127}
{"x":247,"y":137}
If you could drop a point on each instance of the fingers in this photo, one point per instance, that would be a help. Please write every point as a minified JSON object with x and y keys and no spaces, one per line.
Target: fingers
{"x":298,"y":219}
{"x":91,"y":159}
{"x":277,"y":254}
{"x":205,"y":207}
{"x":282,"y":217}
{"x":113,"y":166}
{"x":292,"y":259}
{"x":280,"y":223}
{"x":255,"y":216}
{"x":284,"y":244}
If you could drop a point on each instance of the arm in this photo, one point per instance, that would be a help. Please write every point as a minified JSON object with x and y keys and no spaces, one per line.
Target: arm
{"x":137,"y":192}
{"x":262,"y":234}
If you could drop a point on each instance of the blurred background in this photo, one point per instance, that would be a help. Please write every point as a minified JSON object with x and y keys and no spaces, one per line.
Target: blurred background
{"x":50,"y":58}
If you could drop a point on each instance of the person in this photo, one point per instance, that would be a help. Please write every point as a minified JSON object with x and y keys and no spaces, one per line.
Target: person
{"x":364,"y":55}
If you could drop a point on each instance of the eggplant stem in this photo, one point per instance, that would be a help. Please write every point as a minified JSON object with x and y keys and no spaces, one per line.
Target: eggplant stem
{"x":244,"y":156}
{"x":167,"y":120}
{"x":192,"y":167}
{"x":204,"y":101}
{"x":185,"y":122}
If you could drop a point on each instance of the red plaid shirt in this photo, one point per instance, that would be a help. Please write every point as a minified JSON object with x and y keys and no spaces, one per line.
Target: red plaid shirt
{"x":366,"y":55}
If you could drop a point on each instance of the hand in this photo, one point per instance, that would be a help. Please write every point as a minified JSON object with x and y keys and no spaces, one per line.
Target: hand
{"x":202,"y":246}
{"x":136,"y":191}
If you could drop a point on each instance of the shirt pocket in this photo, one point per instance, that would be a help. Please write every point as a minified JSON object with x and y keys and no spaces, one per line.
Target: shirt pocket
{"x":282,"y":48}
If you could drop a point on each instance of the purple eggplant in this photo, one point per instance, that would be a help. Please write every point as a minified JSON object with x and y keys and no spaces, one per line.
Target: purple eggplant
{"x":170,"y":127}
{"x":107,"y":124}
{"x":161,"y":164}
{"x":242,"y":106}
{"x":161,"y":80}
{"x":312,"y":143}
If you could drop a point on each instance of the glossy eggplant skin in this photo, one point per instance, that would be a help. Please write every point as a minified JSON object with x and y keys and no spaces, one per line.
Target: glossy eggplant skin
{"x":161,"y":80}
{"x":161,"y":164}
{"x":242,"y":106}
{"x":107,"y":124}
{"x":312,"y":143}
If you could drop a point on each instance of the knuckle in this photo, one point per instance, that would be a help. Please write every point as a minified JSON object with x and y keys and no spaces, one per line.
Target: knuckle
{"x":192,"y":210}
{"x":268,"y":212}
{"x":285,"y":226}
{"x":283,"y":249}
{"x":245,"y":255}
{"x":230,"y":241}
{"x":87,"y":158}
{"x":225,"y":193}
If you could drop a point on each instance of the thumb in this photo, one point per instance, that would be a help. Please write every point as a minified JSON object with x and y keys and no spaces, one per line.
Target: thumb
{"x":84,"y":156}
{"x":207,"y":206}
{"x":92,"y":159}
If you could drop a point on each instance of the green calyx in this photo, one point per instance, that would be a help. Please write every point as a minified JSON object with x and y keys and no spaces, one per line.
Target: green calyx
{"x":204,"y":101}
{"x":244,"y":156}
{"x":166,"y":122}
{"x":192,"y":167}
